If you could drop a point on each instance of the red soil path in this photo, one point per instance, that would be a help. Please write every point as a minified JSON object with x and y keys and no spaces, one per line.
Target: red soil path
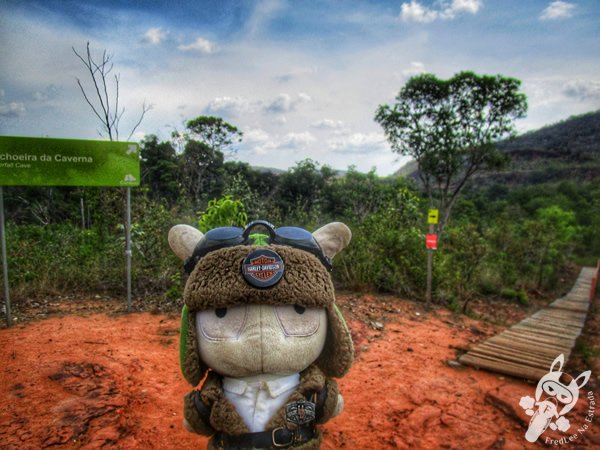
{"x":113,"y":381}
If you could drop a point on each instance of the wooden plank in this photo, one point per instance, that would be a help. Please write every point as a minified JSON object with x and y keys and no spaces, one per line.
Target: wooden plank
{"x":522,"y":347}
{"x":563,"y":334}
{"x":555,"y":349}
{"x":513,"y":356}
{"x":516,"y":370}
{"x":554,"y":325}
{"x":537,"y":337}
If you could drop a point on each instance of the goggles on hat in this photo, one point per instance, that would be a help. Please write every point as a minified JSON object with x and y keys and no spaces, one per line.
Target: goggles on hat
{"x":222,"y":237}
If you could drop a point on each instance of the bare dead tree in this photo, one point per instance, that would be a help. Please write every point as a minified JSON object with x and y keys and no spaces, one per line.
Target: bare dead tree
{"x":104,"y":105}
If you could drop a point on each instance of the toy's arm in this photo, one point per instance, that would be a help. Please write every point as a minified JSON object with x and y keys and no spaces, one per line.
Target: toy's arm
{"x":333,"y":402}
{"x":196,"y":414}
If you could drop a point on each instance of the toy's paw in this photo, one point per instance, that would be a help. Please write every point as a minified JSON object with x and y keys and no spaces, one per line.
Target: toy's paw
{"x":563,"y":424}
{"x":529,"y":412}
{"x":339,"y":406}
{"x":194,"y":420}
{"x":527,"y":403}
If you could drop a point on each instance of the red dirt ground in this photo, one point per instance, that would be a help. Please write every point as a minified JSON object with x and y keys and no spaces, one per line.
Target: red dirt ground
{"x":98,"y":380}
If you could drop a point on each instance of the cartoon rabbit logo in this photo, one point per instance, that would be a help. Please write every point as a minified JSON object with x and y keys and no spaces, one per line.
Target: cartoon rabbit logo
{"x":553,"y":399}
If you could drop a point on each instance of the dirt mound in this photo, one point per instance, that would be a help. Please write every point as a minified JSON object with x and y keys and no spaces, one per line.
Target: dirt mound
{"x":113,"y":381}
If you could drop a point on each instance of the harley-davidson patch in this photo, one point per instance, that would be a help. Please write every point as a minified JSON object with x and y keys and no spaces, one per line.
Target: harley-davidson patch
{"x":300,"y":412}
{"x":263,"y":268}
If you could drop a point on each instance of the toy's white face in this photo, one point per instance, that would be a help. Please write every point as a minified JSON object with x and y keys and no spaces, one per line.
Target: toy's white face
{"x":261,"y":339}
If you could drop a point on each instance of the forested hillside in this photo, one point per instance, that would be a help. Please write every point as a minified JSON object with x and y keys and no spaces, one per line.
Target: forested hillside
{"x":567,"y":150}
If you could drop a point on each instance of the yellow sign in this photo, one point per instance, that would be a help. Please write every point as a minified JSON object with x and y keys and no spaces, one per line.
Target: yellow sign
{"x":432,"y":217}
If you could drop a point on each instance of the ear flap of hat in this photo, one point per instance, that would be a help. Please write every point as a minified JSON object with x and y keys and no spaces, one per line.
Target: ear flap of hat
{"x":189,"y":357}
{"x":338,"y":354}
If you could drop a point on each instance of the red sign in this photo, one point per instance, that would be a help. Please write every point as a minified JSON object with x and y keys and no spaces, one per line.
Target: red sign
{"x":431,"y":241}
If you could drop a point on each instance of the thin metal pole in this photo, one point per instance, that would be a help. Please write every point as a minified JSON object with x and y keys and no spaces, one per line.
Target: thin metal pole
{"x":82,"y":214}
{"x":429,"y":277}
{"x":4,"y":260}
{"x":429,"y":273}
{"x":128,"y":249}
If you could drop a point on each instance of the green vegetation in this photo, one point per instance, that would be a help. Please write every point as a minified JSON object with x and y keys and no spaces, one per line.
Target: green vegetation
{"x":500,"y":243}
{"x":506,"y":241}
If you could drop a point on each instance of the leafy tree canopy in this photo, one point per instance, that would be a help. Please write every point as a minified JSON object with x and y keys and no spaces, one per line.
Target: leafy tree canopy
{"x":214,"y":132}
{"x":449,"y":127}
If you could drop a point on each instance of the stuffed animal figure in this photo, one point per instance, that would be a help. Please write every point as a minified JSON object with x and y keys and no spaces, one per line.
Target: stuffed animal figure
{"x":261,"y":331}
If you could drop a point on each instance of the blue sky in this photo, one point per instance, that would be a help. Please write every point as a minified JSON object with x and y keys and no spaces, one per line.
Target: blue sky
{"x":301,"y":79}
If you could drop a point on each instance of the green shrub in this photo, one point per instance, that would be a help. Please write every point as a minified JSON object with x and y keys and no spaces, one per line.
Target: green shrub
{"x":517,"y":295}
{"x":223,"y":212}
{"x":387,"y":251}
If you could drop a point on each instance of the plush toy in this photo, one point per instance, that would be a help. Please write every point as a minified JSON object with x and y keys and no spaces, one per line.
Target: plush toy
{"x":261,"y":329}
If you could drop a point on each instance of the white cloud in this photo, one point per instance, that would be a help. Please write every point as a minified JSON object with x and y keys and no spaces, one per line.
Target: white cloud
{"x":48,"y":93}
{"x":359,"y":143}
{"x":461,"y":6}
{"x":200,"y":45}
{"x":558,"y":10}
{"x":415,"y":68}
{"x":155,"y":36}
{"x":284,"y":103}
{"x":582,"y":90}
{"x":328,"y":124}
{"x":230,"y":106}
{"x":12,"y":109}
{"x":259,"y":141}
{"x":297,"y":141}
{"x":263,"y":12}
{"x":416,"y":12}
{"x":236,"y":106}
{"x":296,"y":74}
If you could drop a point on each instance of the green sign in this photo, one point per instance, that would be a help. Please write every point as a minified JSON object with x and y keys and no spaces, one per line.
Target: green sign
{"x":28,"y":161}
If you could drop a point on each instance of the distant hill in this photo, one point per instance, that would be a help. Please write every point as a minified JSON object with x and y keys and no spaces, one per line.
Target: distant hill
{"x":268,"y":170}
{"x":569,"y":149}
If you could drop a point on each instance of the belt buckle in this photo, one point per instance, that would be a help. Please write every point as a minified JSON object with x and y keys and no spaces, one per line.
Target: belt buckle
{"x":275,"y":443}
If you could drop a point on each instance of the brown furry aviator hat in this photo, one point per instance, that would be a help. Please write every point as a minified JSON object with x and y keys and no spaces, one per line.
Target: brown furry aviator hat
{"x":290,"y":266}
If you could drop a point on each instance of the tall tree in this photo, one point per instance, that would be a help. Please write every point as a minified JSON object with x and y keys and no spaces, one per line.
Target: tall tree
{"x":214,"y":132}
{"x":159,"y":168}
{"x":202,"y":170}
{"x":449,"y":128}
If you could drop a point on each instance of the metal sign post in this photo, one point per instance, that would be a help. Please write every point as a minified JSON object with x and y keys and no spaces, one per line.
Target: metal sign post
{"x":4,"y":260}
{"x":431,"y":244}
{"x":128,"y":252}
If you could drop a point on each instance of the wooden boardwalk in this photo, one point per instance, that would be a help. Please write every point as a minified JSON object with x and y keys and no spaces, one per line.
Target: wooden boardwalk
{"x":527,"y":349}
